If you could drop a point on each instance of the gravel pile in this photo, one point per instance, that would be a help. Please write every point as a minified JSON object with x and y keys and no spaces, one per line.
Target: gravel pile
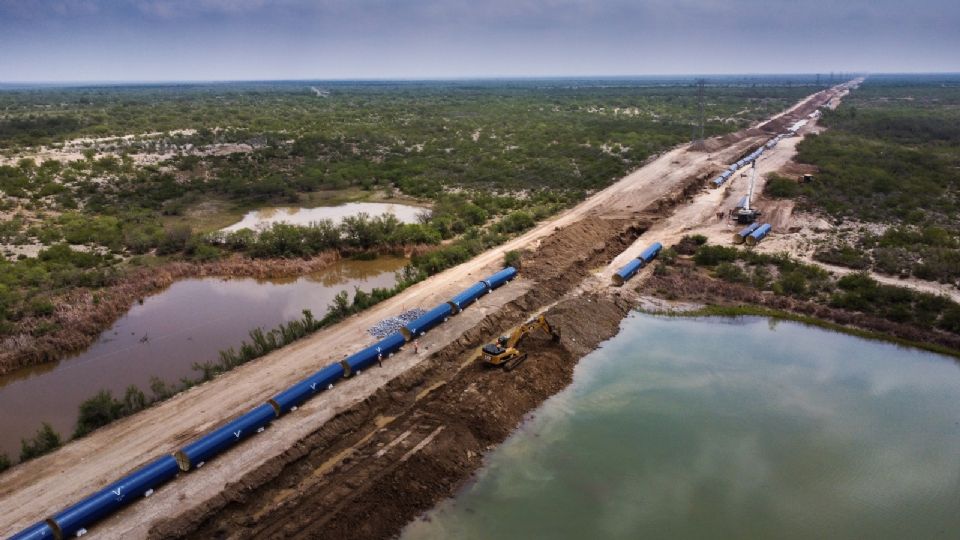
{"x":388,"y":326}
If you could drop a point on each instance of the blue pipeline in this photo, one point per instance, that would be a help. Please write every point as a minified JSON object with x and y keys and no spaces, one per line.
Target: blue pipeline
{"x":37,"y":531}
{"x":651,"y":252}
{"x":630,"y":269}
{"x":306,"y":389}
{"x":115,"y":496}
{"x":469,"y":296}
{"x":501,"y":277}
{"x":217,"y":442}
{"x":149,"y":477}
{"x":429,"y":319}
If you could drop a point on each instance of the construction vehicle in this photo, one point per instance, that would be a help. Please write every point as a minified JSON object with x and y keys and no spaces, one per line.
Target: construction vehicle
{"x":747,"y":215}
{"x":505,"y":353}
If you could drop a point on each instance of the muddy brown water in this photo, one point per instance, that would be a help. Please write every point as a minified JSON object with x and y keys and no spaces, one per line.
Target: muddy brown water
{"x":292,"y":215}
{"x":191,"y":321}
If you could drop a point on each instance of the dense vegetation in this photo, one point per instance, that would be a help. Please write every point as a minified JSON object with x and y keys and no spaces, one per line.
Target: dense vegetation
{"x":858,"y":292}
{"x":490,"y":158}
{"x":890,"y":157}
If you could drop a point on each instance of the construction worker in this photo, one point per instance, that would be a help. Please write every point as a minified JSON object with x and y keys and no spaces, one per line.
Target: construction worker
{"x":416,"y":346}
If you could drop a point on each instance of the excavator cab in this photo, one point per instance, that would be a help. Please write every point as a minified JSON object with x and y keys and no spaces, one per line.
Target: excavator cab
{"x":494,"y":349}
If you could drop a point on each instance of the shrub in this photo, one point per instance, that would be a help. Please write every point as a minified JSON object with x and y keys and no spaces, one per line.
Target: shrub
{"x":713,"y":255}
{"x":858,"y":281}
{"x":97,"y":411}
{"x":793,"y":283}
{"x":843,"y":256}
{"x":512,"y":258}
{"x":45,"y":441}
{"x":779,"y":187}
{"x":133,"y":400}
{"x":174,"y":239}
{"x":688,"y":245}
{"x":517,"y":221}
{"x":731,"y":272}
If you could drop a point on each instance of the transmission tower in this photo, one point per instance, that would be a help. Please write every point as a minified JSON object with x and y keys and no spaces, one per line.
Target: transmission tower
{"x":698,"y":130}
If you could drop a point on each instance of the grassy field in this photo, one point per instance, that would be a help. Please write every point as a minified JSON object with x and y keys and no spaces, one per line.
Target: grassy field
{"x":890,"y":160}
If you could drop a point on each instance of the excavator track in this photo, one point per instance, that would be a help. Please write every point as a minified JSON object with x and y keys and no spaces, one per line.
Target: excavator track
{"x":511,"y":364}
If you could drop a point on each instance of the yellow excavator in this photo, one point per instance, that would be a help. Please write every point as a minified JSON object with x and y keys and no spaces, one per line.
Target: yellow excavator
{"x":505,"y":353}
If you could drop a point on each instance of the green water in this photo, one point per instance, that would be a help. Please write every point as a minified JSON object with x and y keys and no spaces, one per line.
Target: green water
{"x":722,"y":428}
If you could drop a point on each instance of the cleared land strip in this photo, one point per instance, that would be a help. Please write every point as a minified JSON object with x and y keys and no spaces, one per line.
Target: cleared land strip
{"x":564,"y":249}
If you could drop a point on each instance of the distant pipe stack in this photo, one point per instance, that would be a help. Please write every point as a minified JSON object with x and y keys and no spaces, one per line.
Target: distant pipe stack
{"x":755,"y":155}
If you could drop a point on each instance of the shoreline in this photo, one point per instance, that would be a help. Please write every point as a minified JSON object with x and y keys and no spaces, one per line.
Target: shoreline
{"x":82,"y":314}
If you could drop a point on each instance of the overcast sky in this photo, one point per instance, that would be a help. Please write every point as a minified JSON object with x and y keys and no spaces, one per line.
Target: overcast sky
{"x":158,"y":40}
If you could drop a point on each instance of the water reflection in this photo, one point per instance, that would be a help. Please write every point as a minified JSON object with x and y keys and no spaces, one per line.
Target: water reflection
{"x":686,"y":428}
{"x":189,"y":322}
{"x":265,"y":217}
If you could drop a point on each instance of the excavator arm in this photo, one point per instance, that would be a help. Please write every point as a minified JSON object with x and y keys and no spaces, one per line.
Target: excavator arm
{"x":509,"y":356}
{"x":528,"y":327}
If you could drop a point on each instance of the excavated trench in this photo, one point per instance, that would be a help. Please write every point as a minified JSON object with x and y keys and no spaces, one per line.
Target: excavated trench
{"x":372,"y":468}
{"x":377,"y":465}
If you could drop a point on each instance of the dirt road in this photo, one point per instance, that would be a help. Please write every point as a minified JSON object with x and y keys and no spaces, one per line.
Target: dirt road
{"x":564,"y":252}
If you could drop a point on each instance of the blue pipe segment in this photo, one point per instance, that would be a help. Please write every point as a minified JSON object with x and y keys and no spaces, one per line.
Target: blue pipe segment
{"x":758,"y":235}
{"x":630,"y":269}
{"x":741,"y":236}
{"x":110,"y":499}
{"x":427,"y":321}
{"x":652,"y":251}
{"x":294,"y":396}
{"x":501,"y":277}
{"x":627,"y":271}
{"x":391,"y":343}
{"x":468,"y":296}
{"x":364,"y":359}
{"x":37,"y":531}
{"x":217,"y":442}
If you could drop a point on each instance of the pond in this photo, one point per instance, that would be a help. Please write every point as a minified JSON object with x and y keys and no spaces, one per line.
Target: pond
{"x":191,"y":321}
{"x":265,"y":217}
{"x":727,"y":428}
